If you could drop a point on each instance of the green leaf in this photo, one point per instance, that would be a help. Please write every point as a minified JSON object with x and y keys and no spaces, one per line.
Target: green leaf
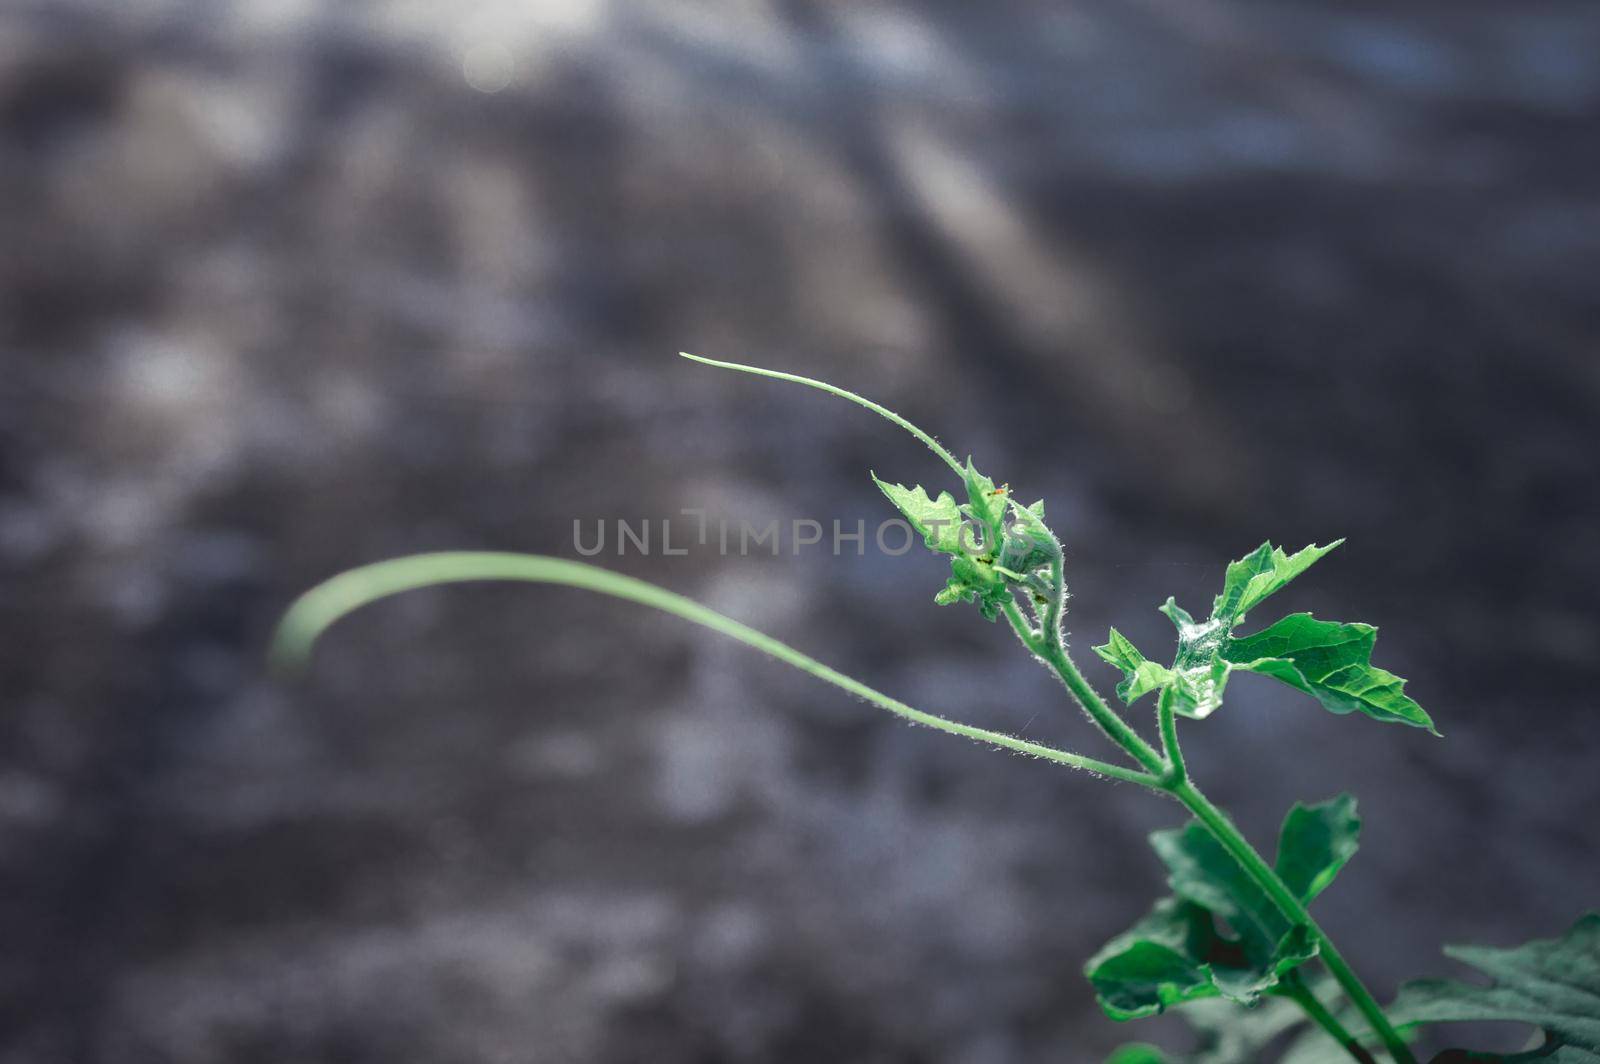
{"x":1176,"y":613}
{"x":1237,"y":1034}
{"x":1140,"y":675}
{"x":1228,"y":1033}
{"x":1317,"y":647}
{"x":1200,"y":672}
{"x":1138,"y":1053}
{"x":1161,"y":961}
{"x":1260,"y":574}
{"x":937,"y":520}
{"x":1177,"y":954}
{"x":1315,"y":842}
{"x":1201,"y":871}
{"x":1331,"y":662}
{"x":1551,"y":984}
{"x":1028,"y":545}
{"x":986,"y":504}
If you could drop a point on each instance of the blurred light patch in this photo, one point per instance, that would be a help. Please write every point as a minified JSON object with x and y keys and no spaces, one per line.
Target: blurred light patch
{"x":163,"y":373}
{"x":488,"y":67}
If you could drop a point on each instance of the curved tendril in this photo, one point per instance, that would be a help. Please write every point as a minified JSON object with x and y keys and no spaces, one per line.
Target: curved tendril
{"x":316,"y":610}
{"x":933,"y":445}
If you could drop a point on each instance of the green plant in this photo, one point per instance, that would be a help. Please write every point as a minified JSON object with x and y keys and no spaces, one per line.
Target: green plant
{"x":1235,"y":941}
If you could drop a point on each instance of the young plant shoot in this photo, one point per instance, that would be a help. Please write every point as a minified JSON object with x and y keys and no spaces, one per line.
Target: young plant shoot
{"x":1234,"y":946}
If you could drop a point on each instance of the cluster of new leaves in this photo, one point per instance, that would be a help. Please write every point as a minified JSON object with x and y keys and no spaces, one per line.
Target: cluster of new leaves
{"x":1551,"y":984}
{"x":995,"y":544}
{"x":1219,"y":934}
{"x":1329,"y":660}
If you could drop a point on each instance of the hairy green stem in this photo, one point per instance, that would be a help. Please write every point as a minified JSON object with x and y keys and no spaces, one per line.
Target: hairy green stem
{"x":1046,"y":645}
{"x":1056,"y":601}
{"x":1268,"y":880}
{"x":1176,"y":771}
{"x":1294,"y":988}
{"x":1109,"y":720}
{"x":313,"y":612}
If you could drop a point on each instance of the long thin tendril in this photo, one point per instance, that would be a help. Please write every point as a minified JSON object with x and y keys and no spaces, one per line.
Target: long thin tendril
{"x":317,"y":609}
{"x":933,"y":445}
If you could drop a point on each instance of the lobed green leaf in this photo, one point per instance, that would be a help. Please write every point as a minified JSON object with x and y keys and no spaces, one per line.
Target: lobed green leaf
{"x":1201,"y":871}
{"x":1315,"y":842}
{"x":1140,"y":675}
{"x":1260,"y":574}
{"x":1330,"y":661}
{"x":986,"y":504}
{"x":1177,"y":954}
{"x":937,"y":520}
{"x":1163,"y":960}
{"x":1028,"y":544}
{"x":1550,"y":984}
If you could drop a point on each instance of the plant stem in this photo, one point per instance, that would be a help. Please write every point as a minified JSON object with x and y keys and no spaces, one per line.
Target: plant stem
{"x":1295,"y":989}
{"x":1268,"y":880}
{"x":1048,"y":645}
{"x":1176,"y":773}
{"x":1103,"y":715}
{"x":1056,"y":601}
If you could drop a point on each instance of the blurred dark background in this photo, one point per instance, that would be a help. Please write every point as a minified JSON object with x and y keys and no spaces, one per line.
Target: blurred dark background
{"x":287,"y":287}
